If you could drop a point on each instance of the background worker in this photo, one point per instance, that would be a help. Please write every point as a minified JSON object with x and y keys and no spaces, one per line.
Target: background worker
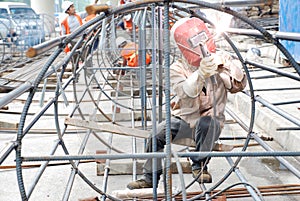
{"x":71,"y":22}
{"x":201,"y":83}
{"x":126,"y":22}
{"x":12,"y":36}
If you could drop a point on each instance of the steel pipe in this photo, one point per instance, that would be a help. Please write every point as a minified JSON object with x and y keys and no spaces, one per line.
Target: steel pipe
{"x":276,"y":34}
{"x":15,"y":93}
{"x":278,"y":111}
{"x":274,"y":70}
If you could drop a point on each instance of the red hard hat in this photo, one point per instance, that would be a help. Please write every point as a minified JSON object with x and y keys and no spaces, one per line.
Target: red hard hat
{"x":185,"y":33}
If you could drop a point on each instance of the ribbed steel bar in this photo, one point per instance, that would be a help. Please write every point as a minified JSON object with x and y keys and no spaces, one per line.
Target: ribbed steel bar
{"x":163,"y":155}
{"x":154,"y":105}
{"x":160,"y":62}
{"x":97,"y":189}
{"x":55,"y":145}
{"x":142,"y":65}
{"x":34,"y":120}
{"x":134,"y":144}
{"x":60,"y":136}
{"x":168,"y":149}
{"x":107,"y":167}
{"x":286,"y":102}
{"x":241,"y":3}
{"x":40,"y":113}
{"x":288,"y":128}
{"x":180,"y":174}
{"x":20,"y":133}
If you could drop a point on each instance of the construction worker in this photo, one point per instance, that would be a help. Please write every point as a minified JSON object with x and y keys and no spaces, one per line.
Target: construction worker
{"x":201,"y":82}
{"x":68,"y":25}
{"x":126,"y":22}
{"x":71,"y":22}
{"x":129,"y":54}
{"x":12,"y":36}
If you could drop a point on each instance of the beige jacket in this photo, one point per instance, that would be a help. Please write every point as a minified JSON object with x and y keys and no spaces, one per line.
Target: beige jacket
{"x":229,"y":79}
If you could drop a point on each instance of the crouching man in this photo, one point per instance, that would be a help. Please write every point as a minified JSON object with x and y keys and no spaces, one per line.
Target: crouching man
{"x":201,"y":80}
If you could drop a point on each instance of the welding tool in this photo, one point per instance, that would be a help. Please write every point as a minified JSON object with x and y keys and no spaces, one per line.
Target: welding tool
{"x":200,"y":39}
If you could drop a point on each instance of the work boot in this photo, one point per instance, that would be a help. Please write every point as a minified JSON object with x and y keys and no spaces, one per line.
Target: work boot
{"x":141,"y":183}
{"x":204,"y":177}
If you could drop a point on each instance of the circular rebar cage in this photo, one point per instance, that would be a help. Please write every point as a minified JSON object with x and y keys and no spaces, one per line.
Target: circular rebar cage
{"x":98,"y":93}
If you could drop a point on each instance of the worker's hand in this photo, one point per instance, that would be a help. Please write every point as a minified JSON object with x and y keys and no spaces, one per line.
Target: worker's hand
{"x":208,"y":67}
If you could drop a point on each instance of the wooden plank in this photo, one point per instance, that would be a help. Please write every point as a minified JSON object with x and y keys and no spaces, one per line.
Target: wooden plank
{"x":107,"y":127}
{"x":121,"y":130}
{"x":8,"y":125}
{"x":8,"y":121}
{"x":28,"y":71}
{"x":26,"y":74}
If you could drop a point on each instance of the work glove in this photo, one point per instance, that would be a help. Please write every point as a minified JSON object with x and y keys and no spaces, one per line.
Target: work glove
{"x":208,"y":67}
{"x":193,"y":84}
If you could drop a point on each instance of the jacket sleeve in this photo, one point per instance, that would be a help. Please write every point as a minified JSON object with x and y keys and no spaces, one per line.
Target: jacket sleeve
{"x":230,"y":71}
{"x":185,"y":84}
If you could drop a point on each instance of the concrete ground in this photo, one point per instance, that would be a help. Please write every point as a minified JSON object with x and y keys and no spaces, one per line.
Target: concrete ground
{"x":259,"y":172}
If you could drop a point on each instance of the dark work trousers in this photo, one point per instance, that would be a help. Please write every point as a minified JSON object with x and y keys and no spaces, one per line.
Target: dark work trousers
{"x":205,"y":134}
